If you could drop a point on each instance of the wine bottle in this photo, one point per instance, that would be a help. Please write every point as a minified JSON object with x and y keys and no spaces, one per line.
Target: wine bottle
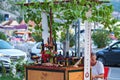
{"x":73,"y":54}
{"x":42,"y":44}
{"x":55,"y":46}
{"x":67,"y":59}
{"x":60,"y":58}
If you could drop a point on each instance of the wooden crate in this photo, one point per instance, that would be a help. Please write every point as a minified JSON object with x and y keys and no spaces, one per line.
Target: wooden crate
{"x":54,"y":73}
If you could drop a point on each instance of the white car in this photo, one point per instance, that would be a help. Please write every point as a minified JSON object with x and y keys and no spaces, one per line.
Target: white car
{"x":36,"y":49}
{"x":10,"y":55}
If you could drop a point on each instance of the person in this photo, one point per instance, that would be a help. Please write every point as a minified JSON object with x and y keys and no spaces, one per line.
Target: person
{"x":113,"y":37}
{"x":97,"y":68}
{"x":30,"y":38}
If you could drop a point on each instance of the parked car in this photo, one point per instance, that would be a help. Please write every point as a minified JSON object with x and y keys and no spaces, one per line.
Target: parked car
{"x":10,"y":55}
{"x":36,"y":49}
{"x":110,"y":55}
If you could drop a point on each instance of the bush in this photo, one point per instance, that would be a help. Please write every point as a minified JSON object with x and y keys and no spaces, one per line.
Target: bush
{"x":37,"y":36}
{"x":8,"y":77}
{"x":100,"y":38}
{"x":3,"y":36}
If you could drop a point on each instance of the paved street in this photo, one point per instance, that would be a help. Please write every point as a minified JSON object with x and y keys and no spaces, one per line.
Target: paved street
{"x":114,"y":73}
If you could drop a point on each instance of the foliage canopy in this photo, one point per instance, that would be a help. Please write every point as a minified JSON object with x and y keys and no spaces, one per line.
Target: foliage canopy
{"x":69,"y":11}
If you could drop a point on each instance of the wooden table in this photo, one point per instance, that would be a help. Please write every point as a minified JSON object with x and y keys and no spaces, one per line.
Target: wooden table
{"x":37,"y":72}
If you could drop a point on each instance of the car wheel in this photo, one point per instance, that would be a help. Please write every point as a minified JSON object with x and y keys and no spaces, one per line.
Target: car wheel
{"x":102,"y":60}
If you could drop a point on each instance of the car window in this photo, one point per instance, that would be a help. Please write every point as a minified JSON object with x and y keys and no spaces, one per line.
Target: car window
{"x":59,"y":46}
{"x":39,"y":46}
{"x":5,"y":45}
{"x":116,"y":46}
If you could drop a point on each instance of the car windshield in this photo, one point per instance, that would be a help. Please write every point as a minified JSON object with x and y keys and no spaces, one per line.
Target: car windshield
{"x":59,"y":45}
{"x":111,"y":44}
{"x":5,"y":45}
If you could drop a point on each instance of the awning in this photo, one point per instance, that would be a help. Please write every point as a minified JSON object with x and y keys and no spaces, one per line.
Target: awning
{"x":21,"y":26}
{"x":24,"y":32}
{"x":7,"y":27}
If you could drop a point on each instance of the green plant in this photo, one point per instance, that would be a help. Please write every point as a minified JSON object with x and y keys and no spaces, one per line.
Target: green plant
{"x":72,"y":40}
{"x":37,"y":35}
{"x":3,"y":70}
{"x":100,"y":38}
{"x":6,"y":76}
{"x":116,"y":30}
{"x":1,"y":18}
{"x":68,"y":11}
{"x":20,"y":70}
{"x":9,"y":77}
{"x":3,"y":36}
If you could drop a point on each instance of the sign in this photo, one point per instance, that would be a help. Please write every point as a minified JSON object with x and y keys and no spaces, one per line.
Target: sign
{"x":87,"y":48}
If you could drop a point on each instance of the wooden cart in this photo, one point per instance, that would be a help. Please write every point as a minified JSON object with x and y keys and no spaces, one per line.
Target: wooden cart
{"x":54,"y":73}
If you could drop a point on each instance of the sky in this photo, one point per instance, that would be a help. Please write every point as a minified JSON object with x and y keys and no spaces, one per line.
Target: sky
{"x":116,"y":6}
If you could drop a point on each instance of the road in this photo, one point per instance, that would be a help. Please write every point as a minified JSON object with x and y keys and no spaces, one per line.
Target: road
{"x":114,"y":73}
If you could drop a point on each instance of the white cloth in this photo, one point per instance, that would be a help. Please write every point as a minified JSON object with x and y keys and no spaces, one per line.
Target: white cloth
{"x":97,"y":69}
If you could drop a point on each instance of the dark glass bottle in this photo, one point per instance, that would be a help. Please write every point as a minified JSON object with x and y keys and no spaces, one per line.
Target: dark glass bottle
{"x":60,"y":58}
{"x":55,"y":46}
{"x":73,"y":54}
{"x":67,"y":59}
{"x":42,"y":52}
{"x":42,"y":44}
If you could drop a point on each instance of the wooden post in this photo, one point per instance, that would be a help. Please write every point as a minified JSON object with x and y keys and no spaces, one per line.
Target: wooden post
{"x":51,"y":26}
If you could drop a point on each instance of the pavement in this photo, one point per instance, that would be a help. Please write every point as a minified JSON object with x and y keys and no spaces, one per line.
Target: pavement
{"x":114,"y":73}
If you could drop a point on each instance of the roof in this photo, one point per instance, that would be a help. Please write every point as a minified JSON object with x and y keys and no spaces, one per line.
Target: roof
{"x":25,"y":32}
{"x":10,"y":23}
